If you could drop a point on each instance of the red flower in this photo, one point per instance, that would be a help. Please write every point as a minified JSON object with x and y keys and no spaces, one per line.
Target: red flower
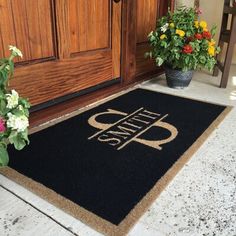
{"x":206,"y":35}
{"x":187,"y":49}
{"x":198,"y":36}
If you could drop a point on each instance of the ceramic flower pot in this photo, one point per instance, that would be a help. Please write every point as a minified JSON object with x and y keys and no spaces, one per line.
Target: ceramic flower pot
{"x":177,"y":79}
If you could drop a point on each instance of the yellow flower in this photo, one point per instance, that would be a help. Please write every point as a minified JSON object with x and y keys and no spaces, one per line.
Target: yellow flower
{"x":203,"y":24}
{"x":211,"y":51}
{"x":172,"y":25}
{"x":205,"y":29}
{"x":212,"y":43}
{"x":163,"y":36}
{"x":181,"y":33}
{"x":196,"y":24}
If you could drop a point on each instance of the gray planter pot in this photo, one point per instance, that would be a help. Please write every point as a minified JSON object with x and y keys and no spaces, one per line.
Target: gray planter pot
{"x":177,"y":79}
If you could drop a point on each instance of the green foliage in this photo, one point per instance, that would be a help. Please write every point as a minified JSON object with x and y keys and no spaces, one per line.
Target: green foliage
{"x":14,"y":111}
{"x":4,"y":158}
{"x":183,"y":42}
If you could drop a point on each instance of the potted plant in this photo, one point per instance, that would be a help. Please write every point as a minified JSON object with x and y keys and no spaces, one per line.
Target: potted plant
{"x":14,"y":111}
{"x":182,"y":44}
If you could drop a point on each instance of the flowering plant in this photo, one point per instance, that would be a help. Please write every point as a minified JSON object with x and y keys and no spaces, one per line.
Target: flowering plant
{"x":183,"y":42}
{"x":14,"y":111}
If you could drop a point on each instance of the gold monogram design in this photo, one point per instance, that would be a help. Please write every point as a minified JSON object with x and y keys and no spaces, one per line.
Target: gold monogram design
{"x":129,"y":128}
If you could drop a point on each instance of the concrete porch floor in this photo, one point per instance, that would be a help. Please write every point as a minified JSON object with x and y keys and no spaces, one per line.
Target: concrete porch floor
{"x":201,"y":200}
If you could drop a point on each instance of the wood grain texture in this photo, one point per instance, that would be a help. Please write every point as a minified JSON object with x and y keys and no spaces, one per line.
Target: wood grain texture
{"x":163,"y":6}
{"x":116,"y":39}
{"x":146,"y":18}
{"x":63,"y":31}
{"x":7,"y":36}
{"x":89,"y":23}
{"x":22,"y":23}
{"x":39,"y":117}
{"x":143,"y":65}
{"x":83,"y":37}
{"x":62,"y":77}
{"x":129,"y":39}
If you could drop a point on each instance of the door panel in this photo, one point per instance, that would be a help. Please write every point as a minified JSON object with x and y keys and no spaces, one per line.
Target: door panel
{"x":23,"y":24}
{"x":62,"y":77}
{"x":67,"y":45}
{"x":89,"y":25}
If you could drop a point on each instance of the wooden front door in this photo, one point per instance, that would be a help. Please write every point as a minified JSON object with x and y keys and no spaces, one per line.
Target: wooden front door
{"x":68,"y":45}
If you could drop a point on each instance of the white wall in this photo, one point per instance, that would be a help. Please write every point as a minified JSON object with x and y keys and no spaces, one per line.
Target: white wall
{"x":187,"y":3}
{"x":212,"y":13}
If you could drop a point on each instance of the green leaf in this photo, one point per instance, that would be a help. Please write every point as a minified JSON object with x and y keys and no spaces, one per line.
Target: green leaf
{"x":164,"y":44}
{"x":186,"y":60}
{"x":18,"y":142}
{"x":4,"y":158}
{"x":12,"y":136}
{"x":218,"y":50}
{"x":159,"y":61}
{"x":202,"y":59}
{"x":24,"y":102}
{"x":24,"y":135}
{"x":17,"y":112}
{"x":11,"y":64}
{"x":188,"y":33}
{"x":152,"y":38}
{"x":2,"y":105}
{"x":213,"y":30}
{"x":3,"y":76}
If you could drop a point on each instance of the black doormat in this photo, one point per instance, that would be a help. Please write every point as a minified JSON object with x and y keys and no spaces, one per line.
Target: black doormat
{"x":106,"y":165}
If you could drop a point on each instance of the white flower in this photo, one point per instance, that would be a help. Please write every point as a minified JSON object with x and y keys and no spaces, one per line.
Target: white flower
{"x":12,"y":99}
{"x":164,"y":27}
{"x":18,"y":123}
{"x":15,"y":51}
{"x":20,"y":107}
